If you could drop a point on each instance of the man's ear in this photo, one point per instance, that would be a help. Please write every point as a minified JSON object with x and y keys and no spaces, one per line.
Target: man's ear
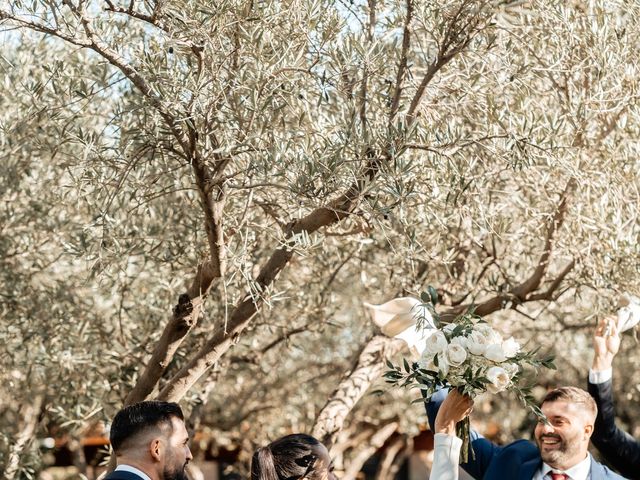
{"x":588,"y":429}
{"x":156,"y":449}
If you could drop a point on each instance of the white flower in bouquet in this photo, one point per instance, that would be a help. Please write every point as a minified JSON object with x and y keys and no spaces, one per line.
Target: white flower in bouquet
{"x":489,"y":333}
{"x":511,"y":369}
{"x":510,"y":347}
{"x":428,"y":362}
{"x":462,"y":341}
{"x":477,"y":343}
{"x":443,"y":364}
{"x":495,"y":353}
{"x":456,"y":354}
{"x":436,"y":343}
{"x":499,"y":379}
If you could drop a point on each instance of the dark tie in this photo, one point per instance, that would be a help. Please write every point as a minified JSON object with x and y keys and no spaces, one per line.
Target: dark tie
{"x":558,"y":476}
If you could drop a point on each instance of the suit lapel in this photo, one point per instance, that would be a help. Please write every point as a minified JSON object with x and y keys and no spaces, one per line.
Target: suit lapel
{"x":597,"y":472}
{"x":528,"y":469}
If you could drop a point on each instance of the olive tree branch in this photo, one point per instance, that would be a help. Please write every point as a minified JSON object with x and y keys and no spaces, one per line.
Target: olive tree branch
{"x":524,"y":291}
{"x":402,"y":67}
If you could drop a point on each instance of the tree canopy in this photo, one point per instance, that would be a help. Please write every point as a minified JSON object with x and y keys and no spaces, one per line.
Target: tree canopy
{"x":198,"y":196}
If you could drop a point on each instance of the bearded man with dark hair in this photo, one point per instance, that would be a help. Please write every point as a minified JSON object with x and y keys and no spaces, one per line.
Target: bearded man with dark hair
{"x":150,"y":442}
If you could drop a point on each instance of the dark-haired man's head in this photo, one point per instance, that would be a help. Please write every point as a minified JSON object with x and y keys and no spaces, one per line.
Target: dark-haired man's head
{"x":152,"y":437}
{"x":564,"y":440}
{"x":294,"y":457}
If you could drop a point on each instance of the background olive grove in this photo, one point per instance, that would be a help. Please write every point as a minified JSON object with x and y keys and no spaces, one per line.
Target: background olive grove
{"x":198,"y":196}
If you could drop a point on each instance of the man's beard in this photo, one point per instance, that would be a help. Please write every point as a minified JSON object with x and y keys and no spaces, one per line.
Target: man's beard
{"x":565,"y":449}
{"x":177,"y":474}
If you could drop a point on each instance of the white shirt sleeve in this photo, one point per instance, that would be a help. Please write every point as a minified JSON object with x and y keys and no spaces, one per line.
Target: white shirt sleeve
{"x":446,"y":457}
{"x":600,"y":377}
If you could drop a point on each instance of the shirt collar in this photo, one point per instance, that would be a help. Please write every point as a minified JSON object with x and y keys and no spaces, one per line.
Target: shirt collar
{"x":580,"y":471}
{"x":130,"y":469}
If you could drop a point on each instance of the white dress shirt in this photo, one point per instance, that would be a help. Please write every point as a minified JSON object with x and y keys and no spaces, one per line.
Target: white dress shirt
{"x":600,"y":377}
{"x":446,"y":457}
{"x":581,"y":471}
{"x":130,"y":469}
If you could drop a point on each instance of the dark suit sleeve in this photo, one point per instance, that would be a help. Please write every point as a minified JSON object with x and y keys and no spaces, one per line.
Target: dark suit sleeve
{"x":483,"y":449}
{"x":618,"y":448}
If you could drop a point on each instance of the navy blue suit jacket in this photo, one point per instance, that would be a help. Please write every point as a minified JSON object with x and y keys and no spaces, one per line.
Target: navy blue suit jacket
{"x":617,"y":447}
{"x":516,"y":461}
{"x":122,"y":475}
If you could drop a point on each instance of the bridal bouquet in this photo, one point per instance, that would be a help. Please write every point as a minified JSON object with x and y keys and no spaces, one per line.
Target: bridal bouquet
{"x":467,"y":354}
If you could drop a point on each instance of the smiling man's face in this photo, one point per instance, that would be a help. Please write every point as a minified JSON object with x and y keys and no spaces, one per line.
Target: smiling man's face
{"x":564,"y":442}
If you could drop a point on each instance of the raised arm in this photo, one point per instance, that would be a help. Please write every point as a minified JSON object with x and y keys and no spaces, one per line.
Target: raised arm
{"x":446,"y":444}
{"x":618,"y":448}
{"x":484,"y":450}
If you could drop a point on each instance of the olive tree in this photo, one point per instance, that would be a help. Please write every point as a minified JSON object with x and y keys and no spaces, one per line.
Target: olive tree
{"x":187,"y":177}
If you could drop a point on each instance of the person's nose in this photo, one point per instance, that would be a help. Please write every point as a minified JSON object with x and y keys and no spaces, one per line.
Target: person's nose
{"x":546,"y":428}
{"x":189,"y":456}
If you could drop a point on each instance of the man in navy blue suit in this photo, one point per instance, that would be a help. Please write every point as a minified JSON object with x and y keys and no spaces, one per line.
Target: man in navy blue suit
{"x":615,"y":445}
{"x":561,"y":448}
{"x":150,"y":442}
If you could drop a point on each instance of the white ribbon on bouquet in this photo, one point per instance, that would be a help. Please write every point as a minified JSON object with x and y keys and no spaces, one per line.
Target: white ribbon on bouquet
{"x":398,"y":317}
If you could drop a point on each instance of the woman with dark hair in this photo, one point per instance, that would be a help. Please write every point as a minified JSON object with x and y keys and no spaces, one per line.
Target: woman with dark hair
{"x":294,"y":457}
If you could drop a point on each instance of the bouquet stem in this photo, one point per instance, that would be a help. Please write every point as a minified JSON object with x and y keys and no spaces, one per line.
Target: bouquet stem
{"x":463,"y":431}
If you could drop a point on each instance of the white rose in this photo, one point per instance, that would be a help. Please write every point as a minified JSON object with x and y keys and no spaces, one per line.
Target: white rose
{"x":443,"y":365}
{"x":510,"y":347}
{"x":511,"y":369}
{"x":490,"y":334}
{"x":435,"y":343}
{"x":499,"y":379}
{"x":426,"y":362}
{"x":476,"y":343}
{"x":462,"y":341}
{"x":495,"y":353}
{"x":456,"y":354}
